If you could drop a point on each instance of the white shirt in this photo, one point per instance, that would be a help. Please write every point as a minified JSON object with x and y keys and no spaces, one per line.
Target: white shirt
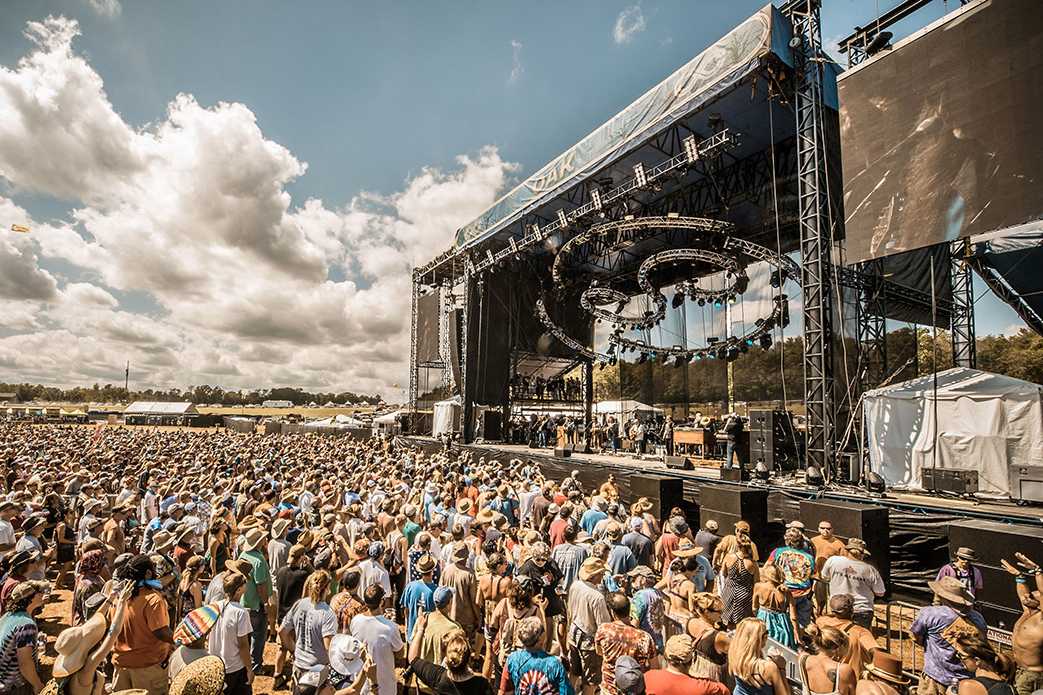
{"x":6,"y":533}
{"x":371,"y":573}
{"x":859,"y":579}
{"x":224,"y":637}
{"x":382,"y":640}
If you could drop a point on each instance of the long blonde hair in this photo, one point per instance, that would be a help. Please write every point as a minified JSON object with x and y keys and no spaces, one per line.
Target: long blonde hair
{"x":746,"y":650}
{"x":317,"y":586}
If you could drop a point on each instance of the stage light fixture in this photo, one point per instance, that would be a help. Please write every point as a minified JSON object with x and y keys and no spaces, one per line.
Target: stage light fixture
{"x":642,"y":358}
{"x":875,"y":483}
{"x":744,"y":347}
{"x":813,"y":477}
{"x":765,"y":341}
{"x":742,"y":283}
{"x":622,"y":305}
{"x":879,"y":42}
{"x":778,"y":277}
{"x":702,"y":301}
{"x":732,"y":354}
{"x":678,"y":300}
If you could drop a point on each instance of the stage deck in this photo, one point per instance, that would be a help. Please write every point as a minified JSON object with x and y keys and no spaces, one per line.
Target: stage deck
{"x":792,"y":486}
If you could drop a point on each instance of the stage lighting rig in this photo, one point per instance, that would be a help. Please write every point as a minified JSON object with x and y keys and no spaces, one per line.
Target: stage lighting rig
{"x":678,"y":300}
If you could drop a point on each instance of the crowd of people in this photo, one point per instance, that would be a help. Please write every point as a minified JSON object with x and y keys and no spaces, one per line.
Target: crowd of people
{"x":199,"y":560}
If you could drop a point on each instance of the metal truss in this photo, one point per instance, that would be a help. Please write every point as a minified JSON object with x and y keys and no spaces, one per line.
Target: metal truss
{"x":870,"y":312}
{"x":815,"y":236}
{"x":1005,"y":292}
{"x":964,"y":350}
{"x":414,"y":378}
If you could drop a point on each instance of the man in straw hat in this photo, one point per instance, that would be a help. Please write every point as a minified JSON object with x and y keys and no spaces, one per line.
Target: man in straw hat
{"x":936,"y":628}
{"x":587,"y":609}
{"x":418,"y":596}
{"x":459,"y":577}
{"x":18,"y":637}
{"x":883,"y":676}
{"x":1027,"y":639}
{"x":963,"y":568}
{"x":83,"y":648}
{"x":853,"y":575}
{"x":258,"y":592}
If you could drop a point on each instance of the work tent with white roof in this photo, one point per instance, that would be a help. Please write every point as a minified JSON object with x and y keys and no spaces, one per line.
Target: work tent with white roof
{"x":625,"y":407}
{"x":985,"y":422}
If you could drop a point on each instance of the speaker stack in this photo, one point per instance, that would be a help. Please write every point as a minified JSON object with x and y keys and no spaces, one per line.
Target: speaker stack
{"x":851,"y":520}
{"x":728,"y":504}
{"x":993,"y":542}
{"x":490,"y":426}
{"x":772,"y":440}
{"x":664,"y":493}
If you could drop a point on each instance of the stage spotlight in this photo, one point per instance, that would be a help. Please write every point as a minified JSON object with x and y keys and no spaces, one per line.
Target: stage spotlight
{"x":732,"y":354}
{"x":702,"y":301}
{"x":601,"y":366}
{"x":765,"y":341}
{"x":778,"y":278}
{"x":813,"y":477}
{"x":678,"y":300}
{"x":742,"y":283}
{"x":744,"y":347}
{"x":678,"y":360}
{"x":875,"y":483}
{"x":761,"y":471}
{"x":622,"y":305}
{"x":642,"y":358}
{"x":879,"y":42}
{"x":718,"y":302}
{"x":731,"y":299}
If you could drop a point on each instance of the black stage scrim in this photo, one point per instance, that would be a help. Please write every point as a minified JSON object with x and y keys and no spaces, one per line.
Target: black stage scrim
{"x":941,"y":136}
{"x":428,"y":310}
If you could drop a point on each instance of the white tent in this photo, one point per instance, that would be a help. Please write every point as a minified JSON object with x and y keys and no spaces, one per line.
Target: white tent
{"x":984,"y":422}
{"x":624,"y":407}
{"x":446,"y":415}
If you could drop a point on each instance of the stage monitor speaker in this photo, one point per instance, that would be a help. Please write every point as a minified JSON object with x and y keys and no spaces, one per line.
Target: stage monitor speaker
{"x":562,"y":453}
{"x":944,"y":480}
{"x":664,"y":493}
{"x":490,"y":427}
{"x":992,"y":542}
{"x":735,"y":474}
{"x":766,"y":536}
{"x":852,"y":520}
{"x":748,"y":504}
{"x":678,"y":462}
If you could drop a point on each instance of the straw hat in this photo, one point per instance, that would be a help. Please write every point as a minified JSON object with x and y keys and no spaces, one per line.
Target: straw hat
{"x":204,"y":676}
{"x":75,"y":643}
{"x":485,"y":516}
{"x":887,"y":667}
{"x":967,"y":554}
{"x":425,"y":564}
{"x":592,"y":567}
{"x":279,"y":527}
{"x":162,"y":541}
{"x":952,"y":589}
{"x":464,"y":506}
{"x":253,"y":539}
{"x":686,"y":548}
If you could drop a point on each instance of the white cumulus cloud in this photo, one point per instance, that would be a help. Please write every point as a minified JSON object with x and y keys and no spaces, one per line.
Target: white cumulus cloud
{"x":247,"y":286}
{"x":631,"y":21}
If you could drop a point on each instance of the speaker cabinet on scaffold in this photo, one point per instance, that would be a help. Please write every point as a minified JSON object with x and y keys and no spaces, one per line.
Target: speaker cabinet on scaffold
{"x":664,"y":493}
{"x":852,"y":520}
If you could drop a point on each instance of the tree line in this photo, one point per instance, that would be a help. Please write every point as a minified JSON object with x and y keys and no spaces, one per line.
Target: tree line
{"x":203,"y":394}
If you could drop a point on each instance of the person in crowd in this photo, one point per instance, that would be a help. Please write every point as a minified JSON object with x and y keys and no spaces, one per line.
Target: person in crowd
{"x":825,"y":546}
{"x":462,"y":583}
{"x":883,"y":676}
{"x":753,"y":673}
{"x":190,"y":587}
{"x":310,"y":625}
{"x":530,"y":669}
{"x":258,"y":592}
{"x":861,"y":644}
{"x":621,"y":638}
{"x":145,"y":640}
{"x":81,"y":649}
{"x":1027,"y":637}
{"x":418,"y":595}
{"x":796,"y":561}
{"x":739,"y":573}
{"x":707,"y":538}
{"x":381,"y":636}
{"x":675,"y":678}
{"x":191,"y":638}
{"x":992,"y":671}
{"x":19,"y":633}
{"x":587,"y":610}
{"x":962,"y":567}
{"x":852,"y":575}
{"x":774,"y":606}
{"x":827,"y":670}
{"x":936,"y":628}
{"x":431,"y":629}
{"x":230,"y":637}
{"x":453,"y":676}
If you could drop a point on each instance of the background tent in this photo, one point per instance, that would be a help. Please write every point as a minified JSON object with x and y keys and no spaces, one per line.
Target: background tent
{"x":446,"y":417}
{"x":984,"y":422}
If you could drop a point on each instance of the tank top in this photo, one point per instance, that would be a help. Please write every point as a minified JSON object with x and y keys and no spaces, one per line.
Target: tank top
{"x":836,"y":678}
{"x":993,"y":686}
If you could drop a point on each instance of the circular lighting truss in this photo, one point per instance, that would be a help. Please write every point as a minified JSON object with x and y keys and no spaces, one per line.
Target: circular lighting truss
{"x":710,"y":247}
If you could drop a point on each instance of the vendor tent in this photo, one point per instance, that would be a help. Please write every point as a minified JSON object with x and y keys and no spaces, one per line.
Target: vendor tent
{"x":446,"y":418}
{"x":984,"y":423}
{"x":625,"y":408}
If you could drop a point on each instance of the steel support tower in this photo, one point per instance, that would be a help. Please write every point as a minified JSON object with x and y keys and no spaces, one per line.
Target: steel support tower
{"x":964,"y":352}
{"x":815,"y":235}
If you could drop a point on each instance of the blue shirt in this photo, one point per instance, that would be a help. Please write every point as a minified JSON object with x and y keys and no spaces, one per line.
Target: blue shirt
{"x":937,"y":627}
{"x":620,"y":560}
{"x":417,"y":596}
{"x":537,"y":673}
{"x":590,"y":519}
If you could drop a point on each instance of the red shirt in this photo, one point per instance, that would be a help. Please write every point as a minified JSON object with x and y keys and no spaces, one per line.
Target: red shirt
{"x":663,"y":682}
{"x":668,"y":544}
{"x":557,"y":531}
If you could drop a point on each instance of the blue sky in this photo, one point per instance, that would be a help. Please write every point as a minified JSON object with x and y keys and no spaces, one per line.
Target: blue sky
{"x":380,"y":101}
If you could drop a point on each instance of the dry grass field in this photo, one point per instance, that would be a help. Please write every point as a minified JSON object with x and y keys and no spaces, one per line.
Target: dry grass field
{"x":295,"y":410}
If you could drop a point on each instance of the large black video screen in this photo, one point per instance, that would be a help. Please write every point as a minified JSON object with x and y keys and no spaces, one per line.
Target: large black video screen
{"x":942,"y":137}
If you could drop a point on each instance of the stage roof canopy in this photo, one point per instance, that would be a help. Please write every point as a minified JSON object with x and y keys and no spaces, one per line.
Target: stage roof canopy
{"x":611,"y":151}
